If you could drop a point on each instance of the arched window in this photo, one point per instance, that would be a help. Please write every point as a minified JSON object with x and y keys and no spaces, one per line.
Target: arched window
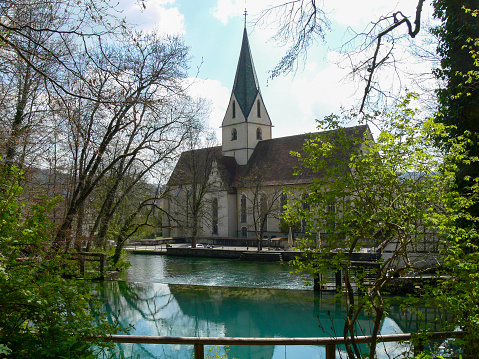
{"x":259,"y":134}
{"x":214,"y":216}
{"x":243,"y":216}
{"x":258,"y":108}
{"x":244,"y":232}
{"x":234,"y":134}
{"x":234,"y":109}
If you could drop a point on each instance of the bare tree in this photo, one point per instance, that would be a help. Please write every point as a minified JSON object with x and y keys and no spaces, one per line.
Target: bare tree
{"x":302,"y":22}
{"x":68,"y":26}
{"x":118,"y":188}
{"x":192,"y":186}
{"x":138,"y":125}
{"x":264,"y":201}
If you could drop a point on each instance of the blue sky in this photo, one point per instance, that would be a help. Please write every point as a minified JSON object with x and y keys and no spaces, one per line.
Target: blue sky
{"x":213,"y":31}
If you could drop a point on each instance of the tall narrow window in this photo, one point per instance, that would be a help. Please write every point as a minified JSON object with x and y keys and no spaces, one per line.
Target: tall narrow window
{"x":283,"y":200}
{"x":305,"y":207}
{"x":243,"y":217}
{"x":258,"y":108}
{"x":259,"y":134}
{"x":263,"y":210}
{"x":332,"y":215}
{"x":234,"y":109}
{"x":244,"y":232}
{"x":234,"y":134}
{"x":214,"y":216}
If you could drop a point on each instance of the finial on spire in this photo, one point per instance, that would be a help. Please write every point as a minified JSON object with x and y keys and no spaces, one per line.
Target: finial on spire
{"x":245,"y":14}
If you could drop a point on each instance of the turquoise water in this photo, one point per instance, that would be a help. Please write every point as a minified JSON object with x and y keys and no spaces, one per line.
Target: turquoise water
{"x":212,"y":272}
{"x":170,"y":296}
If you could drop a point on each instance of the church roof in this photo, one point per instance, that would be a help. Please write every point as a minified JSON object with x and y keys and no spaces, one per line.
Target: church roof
{"x":272,"y":158}
{"x":245,"y":87}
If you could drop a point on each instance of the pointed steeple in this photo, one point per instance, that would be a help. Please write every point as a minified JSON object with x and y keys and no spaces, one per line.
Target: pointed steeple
{"x":245,"y":87}
{"x":246,"y":121}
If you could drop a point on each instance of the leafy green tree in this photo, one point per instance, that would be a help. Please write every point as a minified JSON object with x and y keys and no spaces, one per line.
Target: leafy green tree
{"x":44,"y":314}
{"x":459,"y":99}
{"x":459,"y":294}
{"x":374,"y":194}
{"x":458,"y":37}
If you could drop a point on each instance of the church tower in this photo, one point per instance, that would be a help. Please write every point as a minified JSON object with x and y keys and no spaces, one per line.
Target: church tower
{"x":246,"y":121}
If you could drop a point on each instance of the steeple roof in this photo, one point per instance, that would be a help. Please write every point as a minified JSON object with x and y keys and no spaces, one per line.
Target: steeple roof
{"x":245,"y":87}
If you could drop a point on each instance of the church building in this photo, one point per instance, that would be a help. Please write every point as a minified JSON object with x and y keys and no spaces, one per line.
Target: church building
{"x":236,"y":189}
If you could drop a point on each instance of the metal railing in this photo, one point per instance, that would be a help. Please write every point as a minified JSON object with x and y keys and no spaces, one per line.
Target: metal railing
{"x":329,"y":343}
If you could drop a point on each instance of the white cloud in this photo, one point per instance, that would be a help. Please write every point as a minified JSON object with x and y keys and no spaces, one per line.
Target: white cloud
{"x":354,"y":13}
{"x":226,"y":9}
{"x":156,"y":15}
{"x":216,"y":94}
{"x":294,"y":103}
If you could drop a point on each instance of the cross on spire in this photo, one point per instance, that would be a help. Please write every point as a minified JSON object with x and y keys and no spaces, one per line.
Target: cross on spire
{"x":245,"y":14}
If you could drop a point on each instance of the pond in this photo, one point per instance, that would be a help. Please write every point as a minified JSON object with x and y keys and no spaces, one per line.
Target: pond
{"x":172,"y":296}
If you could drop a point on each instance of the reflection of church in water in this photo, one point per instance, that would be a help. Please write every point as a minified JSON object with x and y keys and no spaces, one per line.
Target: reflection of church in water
{"x":208,"y":311}
{"x":248,"y":158}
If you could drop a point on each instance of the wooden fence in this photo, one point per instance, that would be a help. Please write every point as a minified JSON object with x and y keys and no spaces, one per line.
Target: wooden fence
{"x":329,"y":343}
{"x":83,"y":257}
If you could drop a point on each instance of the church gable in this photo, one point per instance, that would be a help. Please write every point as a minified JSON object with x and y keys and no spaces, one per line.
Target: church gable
{"x":197,"y":166}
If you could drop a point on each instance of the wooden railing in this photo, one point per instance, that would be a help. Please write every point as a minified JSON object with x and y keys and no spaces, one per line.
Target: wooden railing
{"x":330,"y":343}
{"x":83,"y":257}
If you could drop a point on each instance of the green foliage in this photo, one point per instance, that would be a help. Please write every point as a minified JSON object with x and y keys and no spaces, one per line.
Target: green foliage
{"x":215,"y":353}
{"x":396,"y":193}
{"x":371,"y":193}
{"x":292,"y":223}
{"x":458,"y":36}
{"x":44,"y":315}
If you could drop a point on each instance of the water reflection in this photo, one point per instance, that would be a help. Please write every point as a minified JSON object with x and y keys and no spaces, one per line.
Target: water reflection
{"x":185,"y":310}
{"x":211,"y":272}
{"x":226,"y":302}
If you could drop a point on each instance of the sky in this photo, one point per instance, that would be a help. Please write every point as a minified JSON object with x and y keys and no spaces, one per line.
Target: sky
{"x":213,"y":30}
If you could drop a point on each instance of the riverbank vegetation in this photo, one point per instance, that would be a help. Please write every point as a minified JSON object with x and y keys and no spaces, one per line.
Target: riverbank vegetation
{"x":44,"y":314}
{"x":93,"y":112}
{"x":411,"y":193}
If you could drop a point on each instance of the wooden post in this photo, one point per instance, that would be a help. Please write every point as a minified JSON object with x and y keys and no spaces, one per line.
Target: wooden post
{"x":81,"y":262}
{"x":102,"y":264}
{"x":418,"y":347}
{"x":330,"y":351}
{"x":199,"y":351}
{"x":339,"y":281}
{"x":316,"y":286}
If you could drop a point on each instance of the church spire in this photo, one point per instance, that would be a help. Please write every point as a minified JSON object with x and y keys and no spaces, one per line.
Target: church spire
{"x":246,"y":121}
{"x":245,"y":86}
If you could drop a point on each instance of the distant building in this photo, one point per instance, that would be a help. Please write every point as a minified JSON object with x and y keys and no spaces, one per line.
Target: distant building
{"x":243,"y":177}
